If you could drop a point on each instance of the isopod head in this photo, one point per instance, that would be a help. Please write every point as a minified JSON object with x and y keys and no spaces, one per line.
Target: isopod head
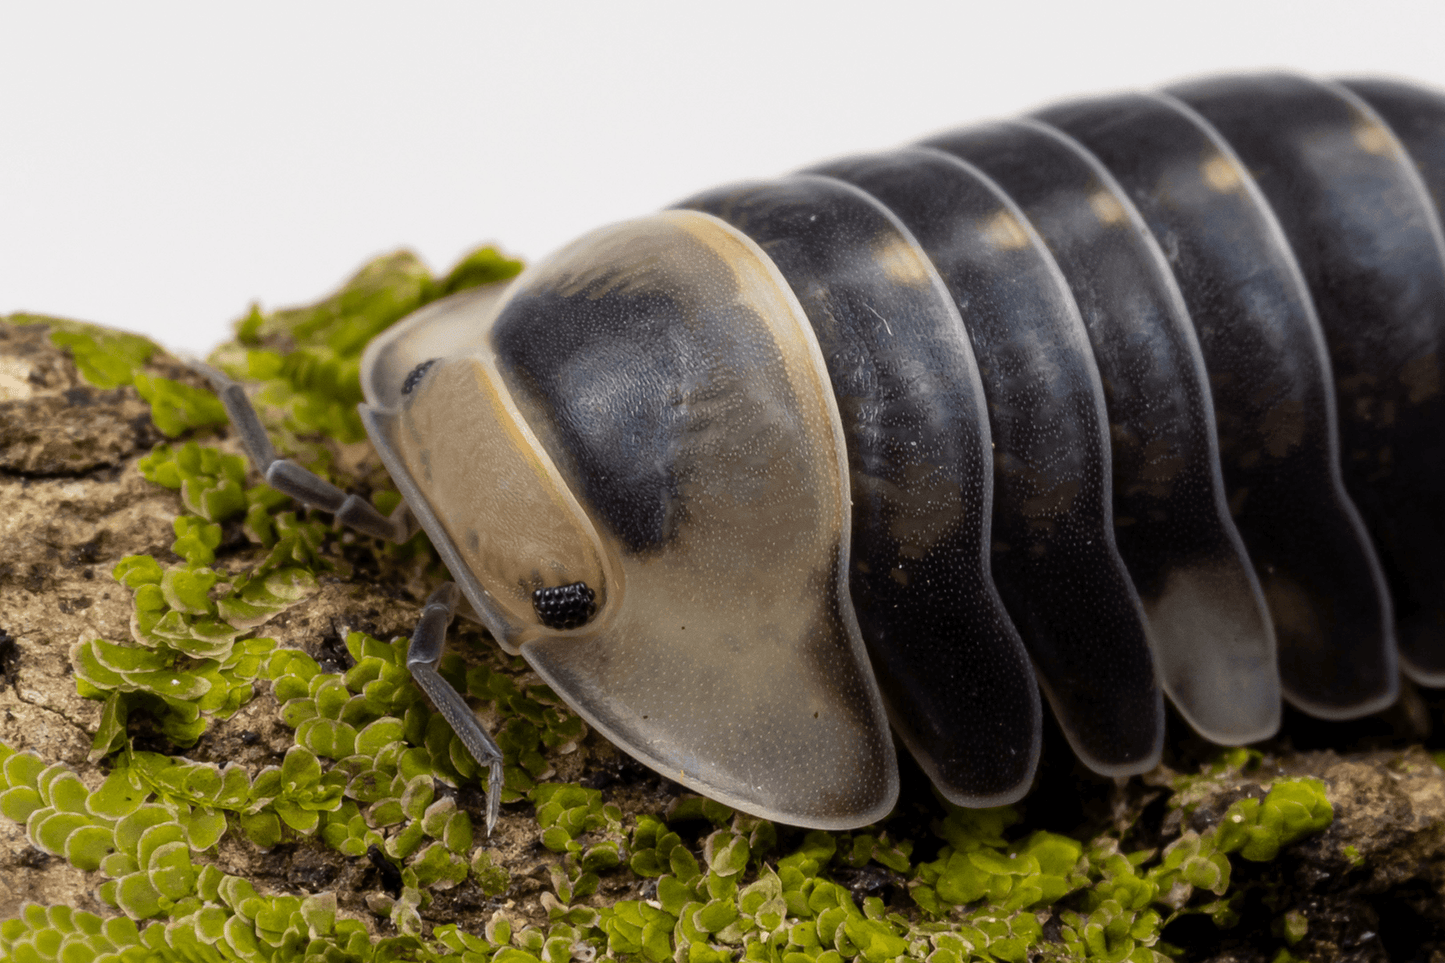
{"x":647,"y":413}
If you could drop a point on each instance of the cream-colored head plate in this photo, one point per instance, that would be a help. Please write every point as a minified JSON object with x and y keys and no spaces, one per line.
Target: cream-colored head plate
{"x":648,"y":412}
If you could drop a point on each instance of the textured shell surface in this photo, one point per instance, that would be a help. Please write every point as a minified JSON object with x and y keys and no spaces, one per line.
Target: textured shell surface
{"x":1137,"y":397}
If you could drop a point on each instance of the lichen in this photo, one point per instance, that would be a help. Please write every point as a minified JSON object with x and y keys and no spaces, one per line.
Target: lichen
{"x":374,"y":772}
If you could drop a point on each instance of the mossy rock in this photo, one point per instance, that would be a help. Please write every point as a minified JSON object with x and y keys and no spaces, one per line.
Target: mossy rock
{"x":213,"y":750}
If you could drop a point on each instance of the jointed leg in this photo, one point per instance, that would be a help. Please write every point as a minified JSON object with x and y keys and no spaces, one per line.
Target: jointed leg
{"x":427,"y":643}
{"x":291,"y":479}
{"x":430,"y":637}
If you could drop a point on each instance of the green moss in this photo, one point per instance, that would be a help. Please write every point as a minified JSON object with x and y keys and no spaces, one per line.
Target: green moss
{"x":734,"y":903}
{"x":177,"y":408}
{"x":186,"y":661}
{"x":1293,"y":926}
{"x":110,"y":359}
{"x":106,"y":358}
{"x":1256,"y":829}
{"x":307,"y":361}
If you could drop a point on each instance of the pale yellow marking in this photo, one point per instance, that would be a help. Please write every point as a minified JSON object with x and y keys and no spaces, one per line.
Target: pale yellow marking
{"x":1221,"y":173}
{"x":1375,"y":139}
{"x":902,"y":263}
{"x":1004,"y":232}
{"x":1107,"y":207}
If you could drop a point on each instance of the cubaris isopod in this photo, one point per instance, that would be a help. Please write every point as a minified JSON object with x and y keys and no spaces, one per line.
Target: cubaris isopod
{"x":1140,"y":395}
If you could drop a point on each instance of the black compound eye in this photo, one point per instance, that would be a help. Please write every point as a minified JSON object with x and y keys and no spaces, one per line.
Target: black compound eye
{"x":416,"y":374}
{"x":565,"y":606}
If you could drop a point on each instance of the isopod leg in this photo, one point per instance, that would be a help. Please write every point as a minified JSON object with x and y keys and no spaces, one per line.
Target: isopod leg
{"x":291,"y":479}
{"x":428,"y":641}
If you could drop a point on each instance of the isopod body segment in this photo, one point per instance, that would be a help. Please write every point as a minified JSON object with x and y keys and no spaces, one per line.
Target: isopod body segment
{"x":1138,"y":396}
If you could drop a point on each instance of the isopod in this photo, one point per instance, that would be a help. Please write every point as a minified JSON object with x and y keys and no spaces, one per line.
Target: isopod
{"x":1139,"y":395}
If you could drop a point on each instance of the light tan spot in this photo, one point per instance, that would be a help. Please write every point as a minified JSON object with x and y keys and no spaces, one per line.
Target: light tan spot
{"x":1376,"y":139}
{"x":1107,"y":207}
{"x":1220,"y":173}
{"x":901,"y":262}
{"x":1004,"y":232}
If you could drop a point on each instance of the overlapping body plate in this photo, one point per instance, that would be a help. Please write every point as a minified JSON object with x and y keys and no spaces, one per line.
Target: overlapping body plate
{"x":953,"y":671}
{"x":1368,"y":239}
{"x":1142,"y":394}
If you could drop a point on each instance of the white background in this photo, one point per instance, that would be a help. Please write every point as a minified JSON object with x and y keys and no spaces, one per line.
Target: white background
{"x":164,"y":164}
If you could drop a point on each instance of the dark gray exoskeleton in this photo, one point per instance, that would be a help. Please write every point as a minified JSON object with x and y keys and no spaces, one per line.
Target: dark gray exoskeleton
{"x":1142,"y":395}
